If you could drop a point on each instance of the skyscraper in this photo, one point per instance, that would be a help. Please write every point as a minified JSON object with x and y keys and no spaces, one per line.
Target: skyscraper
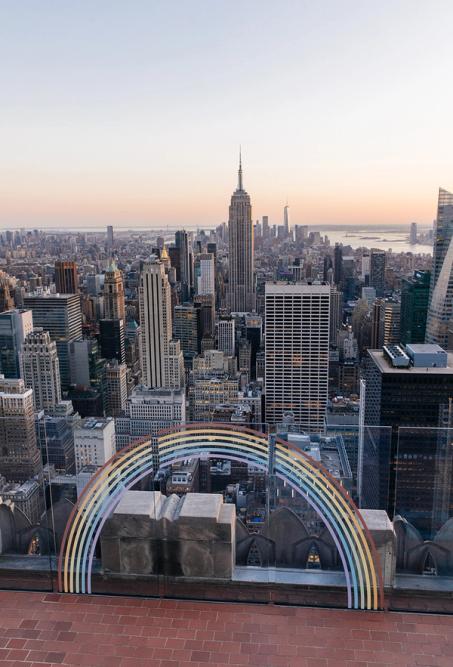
{"x":15,"y":325}
{"x":206,"y":279}
{"x":297,"y":353}
{"x":241,"y":281}
{"x":226,"y":337}
{"x":112,"y":339}
{"x":60,"y":315}
{"x":338,"y":264}
{"x":414,"y":307}
{"x":40,"y":369}
{"x":109,"y":236}
{"x":187,"y":329}
{"x":183,"y":241}
{"x":115,"y":388}
{"x":66,"y":278}
{"x":19,"y":454}
{"x":156,"y":325}
{"x":286,"y":220}
{"x":377,"y":271}
{"x":440,"y":309}
{"x":114,"y":294}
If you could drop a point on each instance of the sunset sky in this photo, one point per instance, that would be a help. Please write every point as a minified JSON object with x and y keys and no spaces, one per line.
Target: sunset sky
{"x":131,"y":113}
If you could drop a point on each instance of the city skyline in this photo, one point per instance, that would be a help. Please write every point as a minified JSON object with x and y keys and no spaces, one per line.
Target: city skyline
{"x":128,"y":118}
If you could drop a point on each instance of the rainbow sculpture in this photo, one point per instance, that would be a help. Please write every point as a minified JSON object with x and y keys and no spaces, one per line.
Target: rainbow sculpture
{"x":325,"y":495}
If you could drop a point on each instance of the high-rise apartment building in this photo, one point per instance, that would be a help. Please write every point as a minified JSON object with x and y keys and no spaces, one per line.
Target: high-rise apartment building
{"x":241,"y":281}
{"x":60,"y":315}
{"x":15,"y":325}
{"x":440,"y":310}
{"x":40,"y":369}
{"x":297,"y":353}
{"x":414,"y":307}
{"x":66,"y":278}
{"x":377,"y":271}
{"x":114,"y":308}
{"x":19,"y":454}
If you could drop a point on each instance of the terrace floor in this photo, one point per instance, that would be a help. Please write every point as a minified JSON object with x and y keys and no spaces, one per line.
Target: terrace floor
{"x":53,"y":629}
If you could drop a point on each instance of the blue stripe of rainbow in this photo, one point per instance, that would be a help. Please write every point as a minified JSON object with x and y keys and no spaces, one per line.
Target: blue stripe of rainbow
{"x":331,"y":503}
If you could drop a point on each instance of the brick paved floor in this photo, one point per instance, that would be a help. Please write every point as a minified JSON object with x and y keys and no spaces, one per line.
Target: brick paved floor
{"x":51,"y":629}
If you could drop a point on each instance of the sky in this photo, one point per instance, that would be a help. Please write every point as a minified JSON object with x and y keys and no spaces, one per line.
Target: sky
{"x":132,"y":113}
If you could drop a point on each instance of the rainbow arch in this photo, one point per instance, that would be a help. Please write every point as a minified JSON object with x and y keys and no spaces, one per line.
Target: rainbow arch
{"x":330,"y":501}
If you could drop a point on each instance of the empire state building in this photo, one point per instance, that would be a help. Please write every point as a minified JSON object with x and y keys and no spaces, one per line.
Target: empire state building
{"x":241,"y":283}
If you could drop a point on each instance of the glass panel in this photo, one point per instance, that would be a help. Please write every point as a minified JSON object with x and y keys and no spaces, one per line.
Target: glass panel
{"x":424,"y":503}
{"x":27,"y":538}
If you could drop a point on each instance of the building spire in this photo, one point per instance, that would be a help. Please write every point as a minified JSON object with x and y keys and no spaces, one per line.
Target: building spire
{"x":240,"y":170}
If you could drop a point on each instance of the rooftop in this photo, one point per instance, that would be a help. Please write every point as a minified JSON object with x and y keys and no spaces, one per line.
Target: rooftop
{"x":94,"y":631}
{"x":385,"y":366}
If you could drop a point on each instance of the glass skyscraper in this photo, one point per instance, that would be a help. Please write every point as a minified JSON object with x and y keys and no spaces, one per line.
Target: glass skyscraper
{"x":440,"y":309}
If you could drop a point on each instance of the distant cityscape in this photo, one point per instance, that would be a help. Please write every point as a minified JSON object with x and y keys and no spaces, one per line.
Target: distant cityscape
{"x":334,"y":342}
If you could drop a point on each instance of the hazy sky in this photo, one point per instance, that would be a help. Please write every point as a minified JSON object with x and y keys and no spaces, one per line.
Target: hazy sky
{"x":131,"y":112}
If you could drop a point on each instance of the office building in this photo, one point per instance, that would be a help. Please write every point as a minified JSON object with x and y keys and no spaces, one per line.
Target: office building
{"x":413,"y":233}
{"x":226,"y":336}
{"x":60,"y":315}
{"x":15,"y":325}
{"x":338,"y":264}
{"x":241,"y":281}
{"x":114,"y":308}
{"x":348,"y":278}
{"x":148,"y":412}
{"x":254,"y":333}
{"x":297,"y":353}
{"x":6,"y":299}
{"x":20,"y":459}
{"x":206,"y":394}
{"x":24,"y":497}
{"x":112,"y":340}
{"x":94,"y":442}
{"x":414,"y":307}
{"x":286,"y":220}
{"x":183,"y":241}
{"x":155,"y":323}
{"x":86,"y":363}
{"x":206,"y":277}
{"x":409,"y":391}
{"x":66,"y":278}
{"x":56,"y":441}
{"x":187,"y":329}
{"x":336,"y":313}
{"x":109,"y":236}
{"x":206,"y":305}
{"x":115,"y":388}
{"x":440,"y":310}
{"x":377,"y":271}
{"x":40,"y":369}
{"x":392,"y":322}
